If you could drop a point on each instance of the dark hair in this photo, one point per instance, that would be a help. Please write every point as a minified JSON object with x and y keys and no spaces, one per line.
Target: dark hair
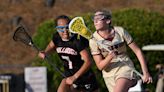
{"x":62,"y":17}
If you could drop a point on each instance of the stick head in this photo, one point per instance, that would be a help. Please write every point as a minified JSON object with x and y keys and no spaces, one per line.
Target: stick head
{"x":78,"y":26}
{"x":21,"y":35}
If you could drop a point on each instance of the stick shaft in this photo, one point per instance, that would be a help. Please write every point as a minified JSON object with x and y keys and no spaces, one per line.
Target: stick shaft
{"x":50,"y":62}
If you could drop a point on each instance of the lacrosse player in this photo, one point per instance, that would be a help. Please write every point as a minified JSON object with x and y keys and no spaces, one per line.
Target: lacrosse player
{"x":116,"y":66}
{"x":73,"y":52}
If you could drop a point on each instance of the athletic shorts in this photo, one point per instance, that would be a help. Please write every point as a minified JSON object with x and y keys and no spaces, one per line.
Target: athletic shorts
{"x":86,"y":82}
{"x":123,"y":72}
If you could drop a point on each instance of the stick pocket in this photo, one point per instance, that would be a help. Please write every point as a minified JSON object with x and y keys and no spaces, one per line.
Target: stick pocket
{"x":78,"y":26}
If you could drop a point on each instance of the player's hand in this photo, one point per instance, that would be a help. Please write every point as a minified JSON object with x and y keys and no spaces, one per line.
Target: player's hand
{"x":70,"y":80}
{"x":147,"y":78}
{"x":41,"y":54}
{"x":112,"y":54}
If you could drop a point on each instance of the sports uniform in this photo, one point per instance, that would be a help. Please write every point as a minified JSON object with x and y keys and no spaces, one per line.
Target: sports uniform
{"x":69,"y":53}
{"x":115,"y":69}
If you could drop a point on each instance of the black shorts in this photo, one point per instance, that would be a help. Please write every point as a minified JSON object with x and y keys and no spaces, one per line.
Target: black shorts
{"x":86,"y":82}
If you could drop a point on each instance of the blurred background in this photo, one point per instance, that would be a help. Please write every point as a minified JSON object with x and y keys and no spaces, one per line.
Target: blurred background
{"x":14,"y":57}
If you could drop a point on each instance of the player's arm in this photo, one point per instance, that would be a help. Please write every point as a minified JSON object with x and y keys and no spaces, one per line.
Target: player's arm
{"x":101,"y":62}
{"x":84,"y":68}
{"x":86,"y":65}
{"x":48,"y":50}
{"x":142,"y":61}
{"x":50,"y":47}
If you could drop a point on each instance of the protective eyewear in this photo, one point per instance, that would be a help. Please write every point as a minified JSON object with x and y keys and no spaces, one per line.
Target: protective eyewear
{"x":98,"y":17}
{"x":61,"y":28}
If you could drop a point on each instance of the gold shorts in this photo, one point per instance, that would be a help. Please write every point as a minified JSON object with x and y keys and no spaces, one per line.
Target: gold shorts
{"x":118,"y":72}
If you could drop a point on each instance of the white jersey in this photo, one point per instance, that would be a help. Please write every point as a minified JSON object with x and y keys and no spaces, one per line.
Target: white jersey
{"x":121,"y":37}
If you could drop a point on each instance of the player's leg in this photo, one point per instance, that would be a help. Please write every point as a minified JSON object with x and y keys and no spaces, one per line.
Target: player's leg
{"x":63,"y":87}
{"x":160,"y":85}
{"x":123,"y":84}
{"x":109,"y":82}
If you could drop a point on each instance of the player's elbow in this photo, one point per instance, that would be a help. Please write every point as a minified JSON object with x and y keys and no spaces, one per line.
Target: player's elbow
{"x":100,"y":67}
{"x":138,"y":52}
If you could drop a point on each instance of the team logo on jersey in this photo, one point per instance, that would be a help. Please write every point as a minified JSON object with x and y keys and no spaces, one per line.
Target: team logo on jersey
{"x":66,"y":50}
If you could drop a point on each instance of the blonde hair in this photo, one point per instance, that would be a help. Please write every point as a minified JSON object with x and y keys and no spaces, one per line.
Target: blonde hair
{"x":105,"y":12}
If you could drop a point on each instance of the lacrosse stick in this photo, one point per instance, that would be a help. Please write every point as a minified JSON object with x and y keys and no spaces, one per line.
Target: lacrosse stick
{"x":21,"y":35}
{"x":78,"y":26}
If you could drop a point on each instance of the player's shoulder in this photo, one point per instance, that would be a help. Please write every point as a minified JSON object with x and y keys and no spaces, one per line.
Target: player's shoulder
{"x":118,"y":28}
{"x":56,"y":38}
{"x":95,"y":33}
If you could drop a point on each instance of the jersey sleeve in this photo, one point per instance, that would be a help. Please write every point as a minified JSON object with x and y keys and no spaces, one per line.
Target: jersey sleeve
{"x":127,"y":37}
{"x":94,"y":47}
{"x":55,"y":38}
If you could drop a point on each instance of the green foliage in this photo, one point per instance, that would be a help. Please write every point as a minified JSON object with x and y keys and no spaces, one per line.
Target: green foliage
{"x":145,"y":27}
{"x":142,"y":24}
{"x":44,"y":35}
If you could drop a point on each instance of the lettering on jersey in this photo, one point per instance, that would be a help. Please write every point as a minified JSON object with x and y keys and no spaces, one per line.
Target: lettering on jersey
{"x":66,"y":50}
